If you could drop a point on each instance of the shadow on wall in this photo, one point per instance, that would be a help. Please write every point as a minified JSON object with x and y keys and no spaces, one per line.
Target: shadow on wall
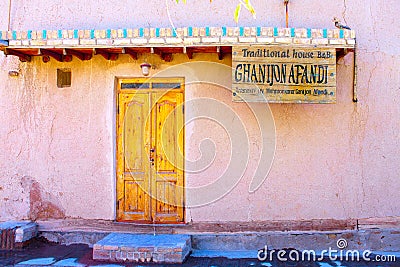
{"x":43,"y":205}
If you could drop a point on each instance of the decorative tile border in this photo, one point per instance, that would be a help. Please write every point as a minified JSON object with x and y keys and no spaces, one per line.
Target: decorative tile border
{"x":178,"y":36}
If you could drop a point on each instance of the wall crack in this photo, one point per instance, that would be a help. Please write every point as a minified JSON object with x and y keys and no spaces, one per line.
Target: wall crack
{"x":344,"y":11}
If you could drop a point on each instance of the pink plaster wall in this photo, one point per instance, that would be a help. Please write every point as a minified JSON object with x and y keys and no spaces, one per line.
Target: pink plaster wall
{"x":331,"y":161}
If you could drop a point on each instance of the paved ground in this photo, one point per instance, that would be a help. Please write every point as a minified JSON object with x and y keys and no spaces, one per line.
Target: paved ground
{"x":40,"y":253}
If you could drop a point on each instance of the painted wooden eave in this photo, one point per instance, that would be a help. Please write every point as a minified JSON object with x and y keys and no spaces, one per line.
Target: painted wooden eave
{"x":62,"y":45}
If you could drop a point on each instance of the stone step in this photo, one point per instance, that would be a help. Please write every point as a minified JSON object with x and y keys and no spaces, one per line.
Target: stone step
{"x":15,"y":234}
{"x":163,"y":248}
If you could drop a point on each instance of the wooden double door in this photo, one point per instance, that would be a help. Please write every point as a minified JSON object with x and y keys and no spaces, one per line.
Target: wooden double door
{"x":150,"y":150}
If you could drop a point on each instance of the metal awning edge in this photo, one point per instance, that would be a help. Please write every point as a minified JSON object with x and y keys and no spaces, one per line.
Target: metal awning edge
{"x":3,"y":43}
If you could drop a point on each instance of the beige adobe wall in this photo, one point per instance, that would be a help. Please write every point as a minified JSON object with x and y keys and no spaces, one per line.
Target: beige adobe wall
{"x":332,"y":161}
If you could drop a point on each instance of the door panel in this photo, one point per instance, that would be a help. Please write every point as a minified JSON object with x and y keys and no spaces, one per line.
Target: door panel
{"x":133,"y":203}
{"x":168,"y":171}
{"x":134,"y":131}
{"x":165,"y":135}
{"x":150,"y":127}
{"x":134,"y":197}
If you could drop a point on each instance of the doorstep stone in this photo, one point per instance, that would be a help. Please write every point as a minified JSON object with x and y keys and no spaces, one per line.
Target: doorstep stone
{"x":15,"y":234}
{"x":162,"y":248}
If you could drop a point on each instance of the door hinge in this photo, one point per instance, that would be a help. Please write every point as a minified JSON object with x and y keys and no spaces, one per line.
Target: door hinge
{"x":183,"y":108}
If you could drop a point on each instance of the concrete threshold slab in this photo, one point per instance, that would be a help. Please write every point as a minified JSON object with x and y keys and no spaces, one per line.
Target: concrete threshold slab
{"x":387,"y":240}
{"x":163,"y":248}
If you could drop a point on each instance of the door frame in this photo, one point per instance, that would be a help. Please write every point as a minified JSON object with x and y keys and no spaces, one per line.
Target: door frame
{"x":118,"y":91}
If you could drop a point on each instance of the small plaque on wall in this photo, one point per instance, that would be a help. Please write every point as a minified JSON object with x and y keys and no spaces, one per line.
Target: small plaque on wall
{"x":283,"y":74}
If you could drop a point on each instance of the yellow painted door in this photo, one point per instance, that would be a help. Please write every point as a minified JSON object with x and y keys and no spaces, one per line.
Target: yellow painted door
{"x":150,"y":180}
